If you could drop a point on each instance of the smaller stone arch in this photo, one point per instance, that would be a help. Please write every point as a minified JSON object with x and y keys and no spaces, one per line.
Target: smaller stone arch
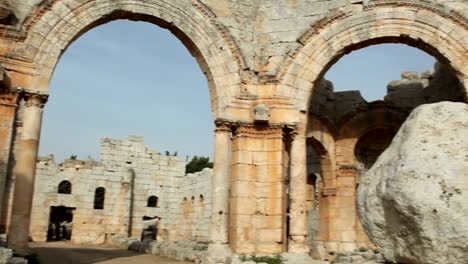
{"x":153,"y":201}
{"x":99,"y":198}
{"x":356,"y":124}
{"x":64,"y":187}
{"x":370,"y":145}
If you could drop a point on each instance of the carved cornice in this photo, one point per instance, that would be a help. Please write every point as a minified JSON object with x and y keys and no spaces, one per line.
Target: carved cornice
{"x":12,"y":33}
{"x":329,"y":191}
{"x":20,"y":65}
{"x":259,"y":131}
{"x":248,"y":129}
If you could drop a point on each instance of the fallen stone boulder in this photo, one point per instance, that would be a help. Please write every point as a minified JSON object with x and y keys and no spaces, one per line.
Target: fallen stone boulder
{"x":413,"y":202}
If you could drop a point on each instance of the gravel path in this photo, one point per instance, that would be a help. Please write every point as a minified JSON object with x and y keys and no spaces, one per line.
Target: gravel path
{"x":65,"y":253}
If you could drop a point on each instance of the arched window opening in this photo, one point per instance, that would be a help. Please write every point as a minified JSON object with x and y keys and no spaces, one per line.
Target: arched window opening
{"x":202,"y":198}
{"x":152,"y":201}
{"x":314,"y":171}
{"x":99,"y":197}
{"x":65,"y":187}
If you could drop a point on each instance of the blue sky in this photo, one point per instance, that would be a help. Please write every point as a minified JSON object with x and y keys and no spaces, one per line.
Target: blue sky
{"x":133,"y":78}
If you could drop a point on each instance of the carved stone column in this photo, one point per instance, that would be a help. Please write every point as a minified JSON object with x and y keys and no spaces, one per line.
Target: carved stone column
{"x":219,"y":250}
{"x":221,"y":183}
{"x":25,"y":170}
{"x":298,"y":193}
{"x":8,"y":107}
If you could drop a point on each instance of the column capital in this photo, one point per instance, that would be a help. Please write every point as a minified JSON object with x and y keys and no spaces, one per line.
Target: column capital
{"x":223,"y":125}
{"x":294,"y":131}
{"x":35,"y":99}
{"x":10,"y":96}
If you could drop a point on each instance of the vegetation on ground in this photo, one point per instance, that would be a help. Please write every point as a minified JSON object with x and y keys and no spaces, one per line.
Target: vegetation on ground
{"x":276,"y":259}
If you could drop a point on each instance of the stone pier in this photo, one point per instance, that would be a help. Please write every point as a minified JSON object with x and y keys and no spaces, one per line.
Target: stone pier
{"x":25,"y":170}
{"x":9,"y":99}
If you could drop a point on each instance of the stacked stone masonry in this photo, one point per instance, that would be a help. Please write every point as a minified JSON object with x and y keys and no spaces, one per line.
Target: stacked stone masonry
{"x":130,"y":172}
{"x":269,"y":55}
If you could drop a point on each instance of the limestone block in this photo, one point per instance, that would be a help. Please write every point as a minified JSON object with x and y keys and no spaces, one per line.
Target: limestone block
{"x":17,"y":260}
{"x":412,"y":202}
{"x":5,"y":254}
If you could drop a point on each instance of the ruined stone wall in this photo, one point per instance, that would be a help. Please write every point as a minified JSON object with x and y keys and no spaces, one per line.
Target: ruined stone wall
{"x":414,"y":89}
{"x":193,"y":216}
{"x":360,"y":131}
{"x":130,"y":173}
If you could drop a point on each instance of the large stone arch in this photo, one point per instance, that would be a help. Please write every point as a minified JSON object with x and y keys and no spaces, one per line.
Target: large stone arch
{"x":57,"y":23}
{"x":426,"y":25}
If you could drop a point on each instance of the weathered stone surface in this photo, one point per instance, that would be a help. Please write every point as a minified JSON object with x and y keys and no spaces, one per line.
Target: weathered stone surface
{"x":17,"y":260}
{"x":5,"y":255}
{"x":412,"y":202}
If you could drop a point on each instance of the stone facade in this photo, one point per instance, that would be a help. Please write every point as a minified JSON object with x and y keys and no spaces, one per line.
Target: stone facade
{"x":130,"y":172}
{"x":254,"y":53}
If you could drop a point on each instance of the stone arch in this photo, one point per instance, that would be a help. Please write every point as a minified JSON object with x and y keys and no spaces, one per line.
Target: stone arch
{"x":425,"y":25}
{"x":321,"y":135}
{"x":57,"y":23}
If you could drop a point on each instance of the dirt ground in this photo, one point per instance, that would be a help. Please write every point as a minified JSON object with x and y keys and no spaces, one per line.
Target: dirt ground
{"x":66,"y":253}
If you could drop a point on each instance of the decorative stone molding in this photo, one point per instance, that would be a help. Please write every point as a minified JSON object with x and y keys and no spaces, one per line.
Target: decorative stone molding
{"x":330,"y":191}
{"x":261,"y":113}
{"x":278,"y":130}
{"x":258,"y":131}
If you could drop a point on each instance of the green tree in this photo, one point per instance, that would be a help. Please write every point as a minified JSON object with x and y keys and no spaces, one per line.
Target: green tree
{"x":198,"y":164}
